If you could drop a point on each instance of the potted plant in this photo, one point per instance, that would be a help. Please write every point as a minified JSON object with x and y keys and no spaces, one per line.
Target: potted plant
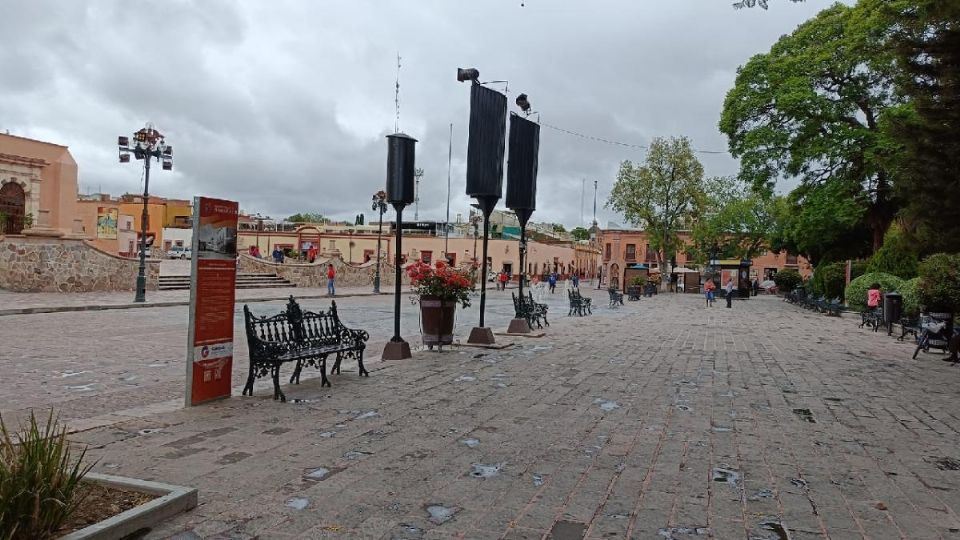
{"x":440,"y":288}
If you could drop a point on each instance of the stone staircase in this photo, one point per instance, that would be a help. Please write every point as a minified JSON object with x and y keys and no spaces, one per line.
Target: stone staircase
{"x":244,"y":281}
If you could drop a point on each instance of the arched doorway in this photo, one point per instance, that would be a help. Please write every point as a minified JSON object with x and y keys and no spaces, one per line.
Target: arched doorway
{"x":12,"y":204}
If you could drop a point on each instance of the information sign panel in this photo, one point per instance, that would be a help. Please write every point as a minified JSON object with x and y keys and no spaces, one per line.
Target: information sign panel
{"x":213,"y":281}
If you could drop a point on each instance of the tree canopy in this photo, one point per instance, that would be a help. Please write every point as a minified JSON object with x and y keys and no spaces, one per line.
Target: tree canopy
{"x":815,"y":108}
{"x":662,"y":195}
{"x":580,"y":233}
{"x":307,"y":217}
{"x":926,"y":40}
{"x":736,"y":220}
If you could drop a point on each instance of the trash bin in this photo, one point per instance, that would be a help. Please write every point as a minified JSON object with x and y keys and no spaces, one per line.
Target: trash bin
{"x":892,"y":308}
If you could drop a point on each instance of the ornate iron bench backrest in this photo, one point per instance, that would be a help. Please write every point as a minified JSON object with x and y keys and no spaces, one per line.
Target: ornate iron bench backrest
{"x":323,"y":327}
{"x":273,"y":329}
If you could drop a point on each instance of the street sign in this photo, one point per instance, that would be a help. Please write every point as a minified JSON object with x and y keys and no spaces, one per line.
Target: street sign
{"x":213,"y":280}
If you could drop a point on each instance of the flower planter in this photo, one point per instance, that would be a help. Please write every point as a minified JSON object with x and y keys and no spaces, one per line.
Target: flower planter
{"x":436,"y":321}
{"x":171,"y":500}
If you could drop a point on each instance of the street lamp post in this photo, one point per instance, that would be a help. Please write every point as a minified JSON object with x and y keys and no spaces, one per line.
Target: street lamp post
{"x":399,"y":193}
{"x":485,"y":152}
{"x":148,"y":143}
{"x":522,"y":194}
{"x":379,"y":205}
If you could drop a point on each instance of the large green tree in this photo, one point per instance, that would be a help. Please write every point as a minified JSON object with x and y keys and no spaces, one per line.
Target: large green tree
{"x":815,"y":108}
{"x":663,"y":195}
{"x":926,"y":38}
{"x":736,"y":220}
{"x":821,"y":222}
{"x":580,"y":233}
{"x":307,"y":217}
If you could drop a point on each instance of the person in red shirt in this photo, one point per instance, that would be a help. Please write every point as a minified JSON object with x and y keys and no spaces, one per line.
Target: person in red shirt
{"x":503,"y":280}
{"x":331,"y":275}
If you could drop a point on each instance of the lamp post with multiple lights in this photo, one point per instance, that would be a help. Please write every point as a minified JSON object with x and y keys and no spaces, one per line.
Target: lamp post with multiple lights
{"x":148,"y":144}
{"x":379,"y":205}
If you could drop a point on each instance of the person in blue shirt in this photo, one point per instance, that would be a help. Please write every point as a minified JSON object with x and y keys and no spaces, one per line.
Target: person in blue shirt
{"x":552,"y":280}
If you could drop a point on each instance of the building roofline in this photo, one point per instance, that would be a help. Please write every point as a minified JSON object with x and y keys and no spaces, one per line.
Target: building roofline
{"x":33,"y":140}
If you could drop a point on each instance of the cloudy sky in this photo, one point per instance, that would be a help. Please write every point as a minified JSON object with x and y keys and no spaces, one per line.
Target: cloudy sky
{"x":283,"y":105}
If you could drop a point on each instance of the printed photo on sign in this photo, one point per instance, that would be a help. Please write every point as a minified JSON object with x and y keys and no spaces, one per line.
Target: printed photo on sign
{"x":217,"y":232}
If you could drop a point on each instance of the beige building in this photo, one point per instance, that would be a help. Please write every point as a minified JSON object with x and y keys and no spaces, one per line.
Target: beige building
{"x":38,"y":185}
{"x":358,"y":244}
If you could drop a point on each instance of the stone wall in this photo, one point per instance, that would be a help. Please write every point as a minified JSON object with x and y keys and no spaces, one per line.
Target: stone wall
{"x":43,"y":264}
{"x":315,"y":275}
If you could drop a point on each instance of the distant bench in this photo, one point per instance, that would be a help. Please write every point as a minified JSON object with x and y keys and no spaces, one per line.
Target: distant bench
{"x":304,"y":337}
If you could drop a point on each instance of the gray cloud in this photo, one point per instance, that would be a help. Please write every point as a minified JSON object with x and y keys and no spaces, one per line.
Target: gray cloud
{"x":284,"y":105}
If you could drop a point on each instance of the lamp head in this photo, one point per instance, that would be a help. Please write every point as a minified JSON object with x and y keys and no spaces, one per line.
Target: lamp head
{"x":523,"y":103}
{"x":468,"y":74}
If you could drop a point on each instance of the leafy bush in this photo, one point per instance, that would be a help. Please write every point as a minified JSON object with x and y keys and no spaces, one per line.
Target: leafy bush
{"x":896,"y":256}
{"x":787,"y":279}
{"x":911,"y":297}
{"x":829,"y":279}
{"x":939,"y":286}
{"x":856,"y":292}
{"x":38,"y":479}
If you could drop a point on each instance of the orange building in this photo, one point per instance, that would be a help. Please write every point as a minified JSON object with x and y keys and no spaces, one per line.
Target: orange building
{"x":621,"y":248}
{"x":38,"y":185}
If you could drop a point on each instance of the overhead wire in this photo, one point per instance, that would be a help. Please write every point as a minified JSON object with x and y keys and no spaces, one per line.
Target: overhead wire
{"x":617,"y":143}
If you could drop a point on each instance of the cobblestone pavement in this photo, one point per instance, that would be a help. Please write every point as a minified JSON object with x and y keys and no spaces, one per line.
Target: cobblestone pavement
{"x":659,"y":419}
{"x":16,"y":303}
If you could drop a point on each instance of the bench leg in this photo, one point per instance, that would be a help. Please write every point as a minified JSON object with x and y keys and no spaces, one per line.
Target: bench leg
{"x":336,"y":364}
{"x":277,"y":393}
{"x":249,"y":386}
{"x":363,"y":370}
{"x":295,"y":376}
{"x":323,"y":373}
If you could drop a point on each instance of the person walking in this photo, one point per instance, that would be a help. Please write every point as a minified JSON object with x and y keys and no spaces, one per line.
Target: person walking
{"x":312,"y":254}
{"x":708,"y":288}
{"x":729,"y":290}
{"x":503,"y":280}
{"x":331,"y":276}
{"x":552,"y":280}
{"x":576,"y":280}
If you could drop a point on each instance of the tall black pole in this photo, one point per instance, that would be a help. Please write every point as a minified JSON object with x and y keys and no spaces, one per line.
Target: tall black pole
{"x":142,"y":272}
{"x":397,"y":262}
{"x":483,"y":275}
{"x":523,"y":258}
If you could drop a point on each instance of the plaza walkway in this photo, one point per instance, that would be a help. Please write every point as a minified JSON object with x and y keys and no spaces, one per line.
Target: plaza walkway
{"x":659,"y":419}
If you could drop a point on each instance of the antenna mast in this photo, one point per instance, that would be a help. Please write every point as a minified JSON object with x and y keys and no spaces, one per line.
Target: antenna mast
{"x":396,"y":97}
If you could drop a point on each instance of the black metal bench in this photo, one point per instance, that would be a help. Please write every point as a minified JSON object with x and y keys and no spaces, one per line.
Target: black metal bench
{"x":616,"y":298}
{"x":872,"y":317}
{"x":833,"y":307}
{"x":578,"y":303}
{"x":526,"y":308}
{"x":910,"y":325}
{"x":634,"y":292}
{"x":303,"y":337}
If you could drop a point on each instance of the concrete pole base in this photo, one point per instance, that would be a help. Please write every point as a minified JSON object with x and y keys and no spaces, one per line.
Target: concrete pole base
{"x":481,"y":336}
{"x":396,"y":350}
{"x":519,"y":326}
